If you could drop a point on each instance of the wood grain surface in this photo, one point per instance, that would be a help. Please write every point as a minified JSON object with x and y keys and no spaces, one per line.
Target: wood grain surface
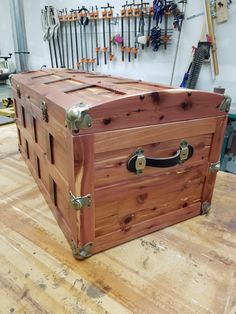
{"x":188,"y":268}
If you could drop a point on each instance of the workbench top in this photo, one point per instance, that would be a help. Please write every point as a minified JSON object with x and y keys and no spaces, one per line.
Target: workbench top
{"x":187,"y":268}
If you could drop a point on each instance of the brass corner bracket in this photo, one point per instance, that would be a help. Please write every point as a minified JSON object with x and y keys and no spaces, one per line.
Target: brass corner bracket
{"x":226,"y":103}
{"x":206,"y":208}
{"x":83,"y":252}
{"x":77,"y":118}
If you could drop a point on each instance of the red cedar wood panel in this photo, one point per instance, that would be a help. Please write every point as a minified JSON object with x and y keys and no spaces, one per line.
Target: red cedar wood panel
{"x":112,"y":170}
{"x":156,"y":105}
{"x":214,"y":157}
{"x":146,"y":200}
{"x":108,"y":198}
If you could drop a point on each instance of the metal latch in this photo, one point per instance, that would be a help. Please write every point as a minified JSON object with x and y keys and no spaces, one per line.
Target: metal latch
{"x":215,"y":167}
{"x":140,"y":163}
{"x":18,"y":91}
{"x":226,"y":103}
{"x":77,"y":118}
{"x":184,"y":151}
{"x":44,"y":110}
{"x":79,"y":202}
{"x":83,"y":252}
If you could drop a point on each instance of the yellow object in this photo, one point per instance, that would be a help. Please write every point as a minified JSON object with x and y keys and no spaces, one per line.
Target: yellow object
{"x":7,"y":112}
{"x":212,"y":37}
{"x":7,"y":102}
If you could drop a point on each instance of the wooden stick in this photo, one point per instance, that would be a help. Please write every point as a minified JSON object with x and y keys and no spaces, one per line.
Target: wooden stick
{"x":213,"y":38}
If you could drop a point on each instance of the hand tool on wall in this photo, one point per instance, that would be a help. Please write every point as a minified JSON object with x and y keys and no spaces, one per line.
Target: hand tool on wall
{"x":81,"y":62}
{"x":142,"y":22}
{"x":53,"y":27}
{"x":201,"y":53}
{"x":96,"y":33}
{"x":71,"y":39}
{"x":183,"y":11}
{"x":123,"y":14}
{"x":62,"y":41}
{"x":76,"y":36}
{"x":136,"y":15}
{"x":84,"y":21}
{"x":186,"y":74}
{"x":167,"y":13}
{"x":211,"y":34}
{"x":92,"y":59}
{"x":45,"y":28}
{"x":150,"y":13}
{"x":66,"y":36}
{"x":129,"y":14}
{"x":104,"y":17}
{"x":156,"y":33}
{"x":110,"y":15}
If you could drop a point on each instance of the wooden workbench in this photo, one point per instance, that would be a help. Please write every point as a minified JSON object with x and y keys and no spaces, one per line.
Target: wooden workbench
{"x":187,"y":268}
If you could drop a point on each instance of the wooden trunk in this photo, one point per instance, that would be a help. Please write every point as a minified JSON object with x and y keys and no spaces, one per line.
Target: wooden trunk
{"x":118,"y":158}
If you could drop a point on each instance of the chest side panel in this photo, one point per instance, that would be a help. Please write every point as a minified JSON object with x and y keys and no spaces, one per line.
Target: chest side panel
{"x":45,"y":149}
{"x":130,"y":205}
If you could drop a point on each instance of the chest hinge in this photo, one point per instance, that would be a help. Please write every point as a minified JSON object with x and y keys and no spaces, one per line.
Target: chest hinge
{"x":79,"y":202}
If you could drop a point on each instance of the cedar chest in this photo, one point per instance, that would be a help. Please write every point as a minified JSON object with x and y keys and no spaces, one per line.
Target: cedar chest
{"x":117,"y":158}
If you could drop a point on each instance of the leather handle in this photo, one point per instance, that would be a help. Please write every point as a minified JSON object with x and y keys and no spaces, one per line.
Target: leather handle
{"x":138,"y":161}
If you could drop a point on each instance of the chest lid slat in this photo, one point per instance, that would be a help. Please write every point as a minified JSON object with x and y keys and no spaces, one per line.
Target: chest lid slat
{"x":116,"y":103}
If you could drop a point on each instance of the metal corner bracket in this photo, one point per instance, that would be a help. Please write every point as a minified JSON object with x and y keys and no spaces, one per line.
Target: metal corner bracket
{"x":77,"y":118}
{"x":214,"y":167}
{"x":83,"y":252}
{"x":79,"y":202}
{"x":225,"y":104}
{"x":206,"y":207}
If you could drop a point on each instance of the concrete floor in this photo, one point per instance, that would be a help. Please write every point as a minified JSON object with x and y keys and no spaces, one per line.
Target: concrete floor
{"x":5,"y":91}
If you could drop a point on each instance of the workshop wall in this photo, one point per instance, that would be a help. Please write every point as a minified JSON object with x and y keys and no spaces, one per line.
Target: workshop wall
{"x":6,"y":43}
{"x":150,"y":66}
